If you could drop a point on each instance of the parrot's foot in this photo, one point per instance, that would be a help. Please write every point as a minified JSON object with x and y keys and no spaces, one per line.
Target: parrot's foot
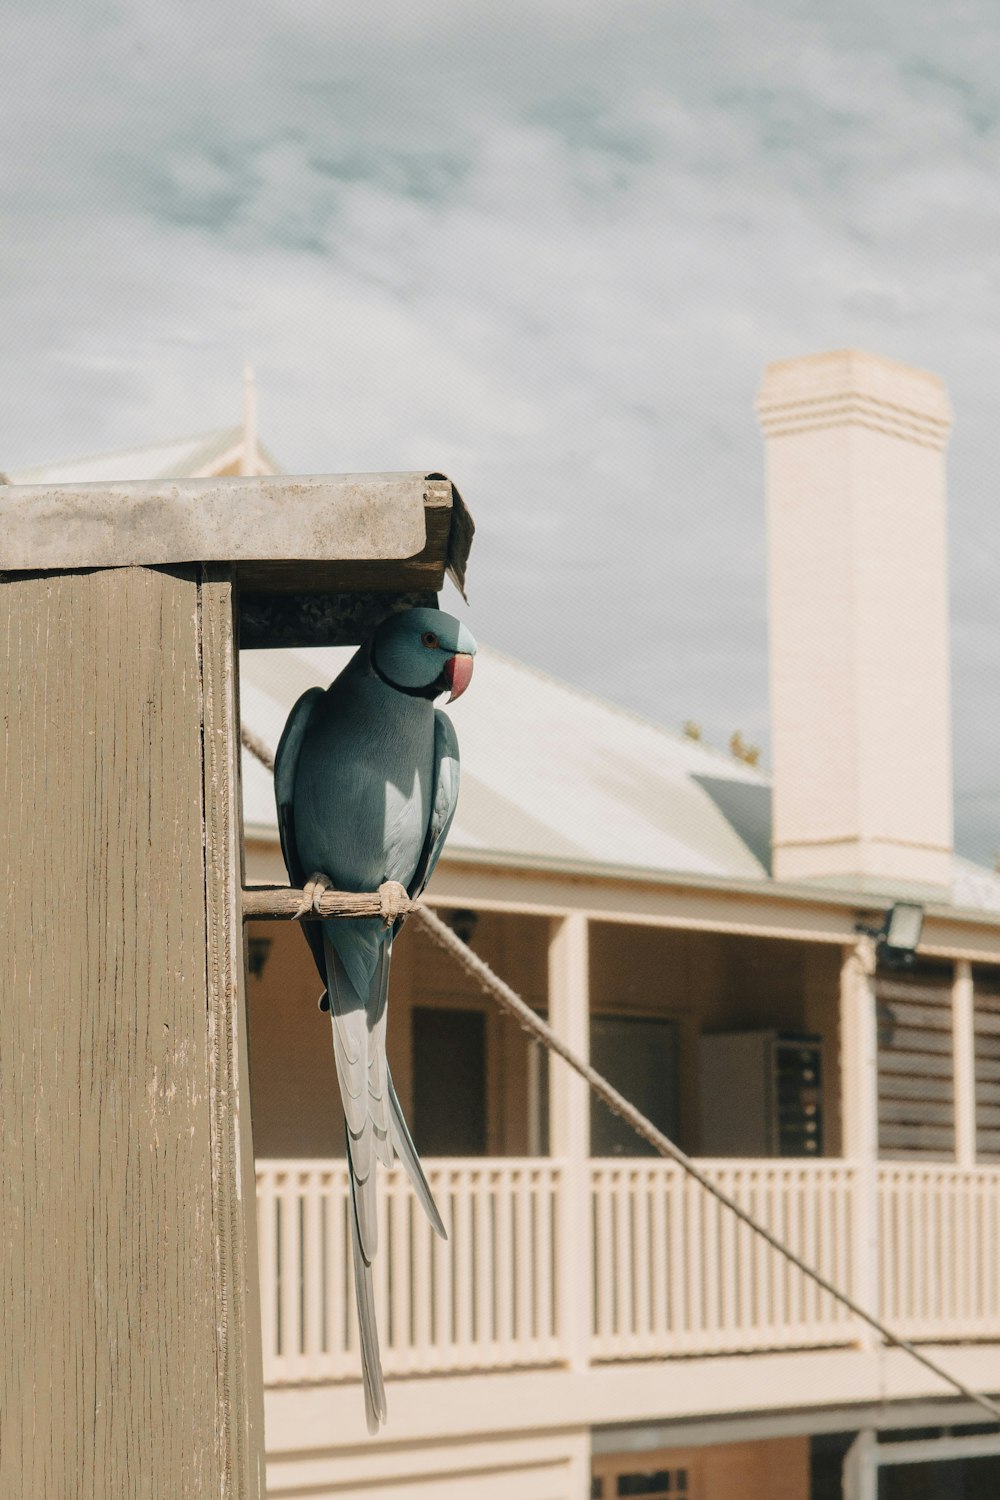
{"x":312,"y":891}
{"x":392,"y":897}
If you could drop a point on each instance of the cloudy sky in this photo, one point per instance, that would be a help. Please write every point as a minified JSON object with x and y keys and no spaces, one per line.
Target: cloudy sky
{"x":545,"y":247}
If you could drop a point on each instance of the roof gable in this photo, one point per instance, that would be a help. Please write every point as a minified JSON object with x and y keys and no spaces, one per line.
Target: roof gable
{"x":203,"y":456}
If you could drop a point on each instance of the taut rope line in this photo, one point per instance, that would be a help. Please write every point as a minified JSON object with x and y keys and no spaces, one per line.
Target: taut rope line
{"x":533,"y":1024}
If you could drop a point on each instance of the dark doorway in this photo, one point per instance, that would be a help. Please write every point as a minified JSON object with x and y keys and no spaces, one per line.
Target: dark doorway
{"x":639,"y":1056}
{"x":953,"y":1479}
{"x":827,"y":1451}
{"x":449,"y":1081}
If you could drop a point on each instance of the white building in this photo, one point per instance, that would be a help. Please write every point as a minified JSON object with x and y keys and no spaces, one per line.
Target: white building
{"x":595,"y":1317}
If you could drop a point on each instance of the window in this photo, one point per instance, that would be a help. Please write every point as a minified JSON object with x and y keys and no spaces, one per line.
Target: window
{"x":650,"y":1484}
{"x":655,"y":1485}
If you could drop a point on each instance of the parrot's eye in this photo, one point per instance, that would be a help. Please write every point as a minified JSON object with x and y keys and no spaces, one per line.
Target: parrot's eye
{"x":430,"y":639}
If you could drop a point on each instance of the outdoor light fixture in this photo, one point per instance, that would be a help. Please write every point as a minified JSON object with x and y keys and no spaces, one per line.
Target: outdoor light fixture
{"x":463,"y":924}
{"x":898,"y":938}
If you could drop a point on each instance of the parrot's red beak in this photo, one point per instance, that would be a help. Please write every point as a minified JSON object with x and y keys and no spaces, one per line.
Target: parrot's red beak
{"x":458,"y":674}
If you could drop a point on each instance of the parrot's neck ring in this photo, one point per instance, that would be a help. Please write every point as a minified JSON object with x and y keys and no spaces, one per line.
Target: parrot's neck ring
{"x":429,"y":690}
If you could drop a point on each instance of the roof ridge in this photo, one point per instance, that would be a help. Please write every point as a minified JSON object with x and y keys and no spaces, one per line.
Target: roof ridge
{"x":619,"y":709}
{"x":199,"y":438}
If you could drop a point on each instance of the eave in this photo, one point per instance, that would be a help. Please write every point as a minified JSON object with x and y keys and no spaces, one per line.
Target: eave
{"x":673,"y":899}
{"x":315,"y":558}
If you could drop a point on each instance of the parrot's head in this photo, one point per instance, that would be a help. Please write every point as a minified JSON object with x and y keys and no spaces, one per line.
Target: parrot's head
{"x":424,"y":652}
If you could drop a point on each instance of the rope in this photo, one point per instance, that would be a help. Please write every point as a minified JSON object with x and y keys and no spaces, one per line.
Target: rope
{"x":257,"y":748}
{"x":533,"y":1024}
{"x":275,"y":903}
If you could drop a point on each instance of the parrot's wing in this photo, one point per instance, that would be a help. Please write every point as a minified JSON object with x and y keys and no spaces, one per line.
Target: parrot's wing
{"x":286,"y":762}
{"x":445,"y":790}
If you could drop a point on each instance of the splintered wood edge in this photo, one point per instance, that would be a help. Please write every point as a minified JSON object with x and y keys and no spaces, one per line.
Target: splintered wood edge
{"x":280,"y":902}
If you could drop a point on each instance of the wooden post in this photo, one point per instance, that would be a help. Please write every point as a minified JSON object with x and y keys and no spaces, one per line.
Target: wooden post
{"x":964,"y":1063}
{"x":569,"y":1129}
{"x":859,"y":1119}
{"x":130,"y":1316}
{"x":130,"y":1360}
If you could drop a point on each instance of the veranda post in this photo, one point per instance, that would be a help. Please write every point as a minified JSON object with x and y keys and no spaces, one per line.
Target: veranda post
{"x":130,"y":1349}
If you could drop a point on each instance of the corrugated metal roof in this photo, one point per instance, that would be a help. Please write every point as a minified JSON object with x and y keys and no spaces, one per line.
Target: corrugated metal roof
{"x":183,"y":458}
{"x":553,"y":774}
{"x":974,"y":888}
{"x":550,"y":772}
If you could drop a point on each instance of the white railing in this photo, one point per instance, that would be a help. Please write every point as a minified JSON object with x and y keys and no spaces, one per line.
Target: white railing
{"x":482,"y":1299}
{"x":676,"y":1272}
{"x":672,"y":1271}
{"x":939,"y":1247}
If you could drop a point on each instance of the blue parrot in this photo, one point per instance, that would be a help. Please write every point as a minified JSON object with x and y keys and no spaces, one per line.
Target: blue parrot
{"x":366,"y":781}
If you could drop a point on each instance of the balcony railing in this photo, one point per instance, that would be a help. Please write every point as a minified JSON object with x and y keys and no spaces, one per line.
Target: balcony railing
{"x":482,"y":1299}
{"x":672,"y":1271}
{"x":676,"y":1273}
{"x":939,"y":1244}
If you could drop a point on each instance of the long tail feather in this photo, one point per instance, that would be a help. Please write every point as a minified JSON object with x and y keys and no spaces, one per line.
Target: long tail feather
{"x":376,"y":1409}
{"x":358,"y":1027}
{"x":407,"y":1153}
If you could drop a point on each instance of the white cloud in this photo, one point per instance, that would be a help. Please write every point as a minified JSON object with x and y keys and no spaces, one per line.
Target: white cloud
{"x":548,"y":249}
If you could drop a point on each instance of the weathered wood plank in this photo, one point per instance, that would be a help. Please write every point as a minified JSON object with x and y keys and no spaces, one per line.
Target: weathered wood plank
{"x":917,"y":1137}
{"x":908,"y":1041}
{"x":112,"y":1380}
{"x":924,"y":989}
{"x":916,"y":1069}
{"x":931,"y":1064}
{"x":924,"y":1017}
{"x":899,"y":1086}
{"x":240,"y":1413}
{"x":914,"y":1112}
{"x":381,"y":534}
{"x":255,"y":519}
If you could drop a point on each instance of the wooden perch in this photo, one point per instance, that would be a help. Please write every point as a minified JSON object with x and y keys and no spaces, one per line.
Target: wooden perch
{"x":275,"y":903}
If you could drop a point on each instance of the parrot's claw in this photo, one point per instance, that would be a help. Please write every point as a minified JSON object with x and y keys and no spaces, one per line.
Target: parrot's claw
{"x":312,"y":891}
{"x":392,"y":897}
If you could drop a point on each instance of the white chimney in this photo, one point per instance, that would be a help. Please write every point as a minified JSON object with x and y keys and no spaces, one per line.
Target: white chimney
{"x":861,"y":730}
